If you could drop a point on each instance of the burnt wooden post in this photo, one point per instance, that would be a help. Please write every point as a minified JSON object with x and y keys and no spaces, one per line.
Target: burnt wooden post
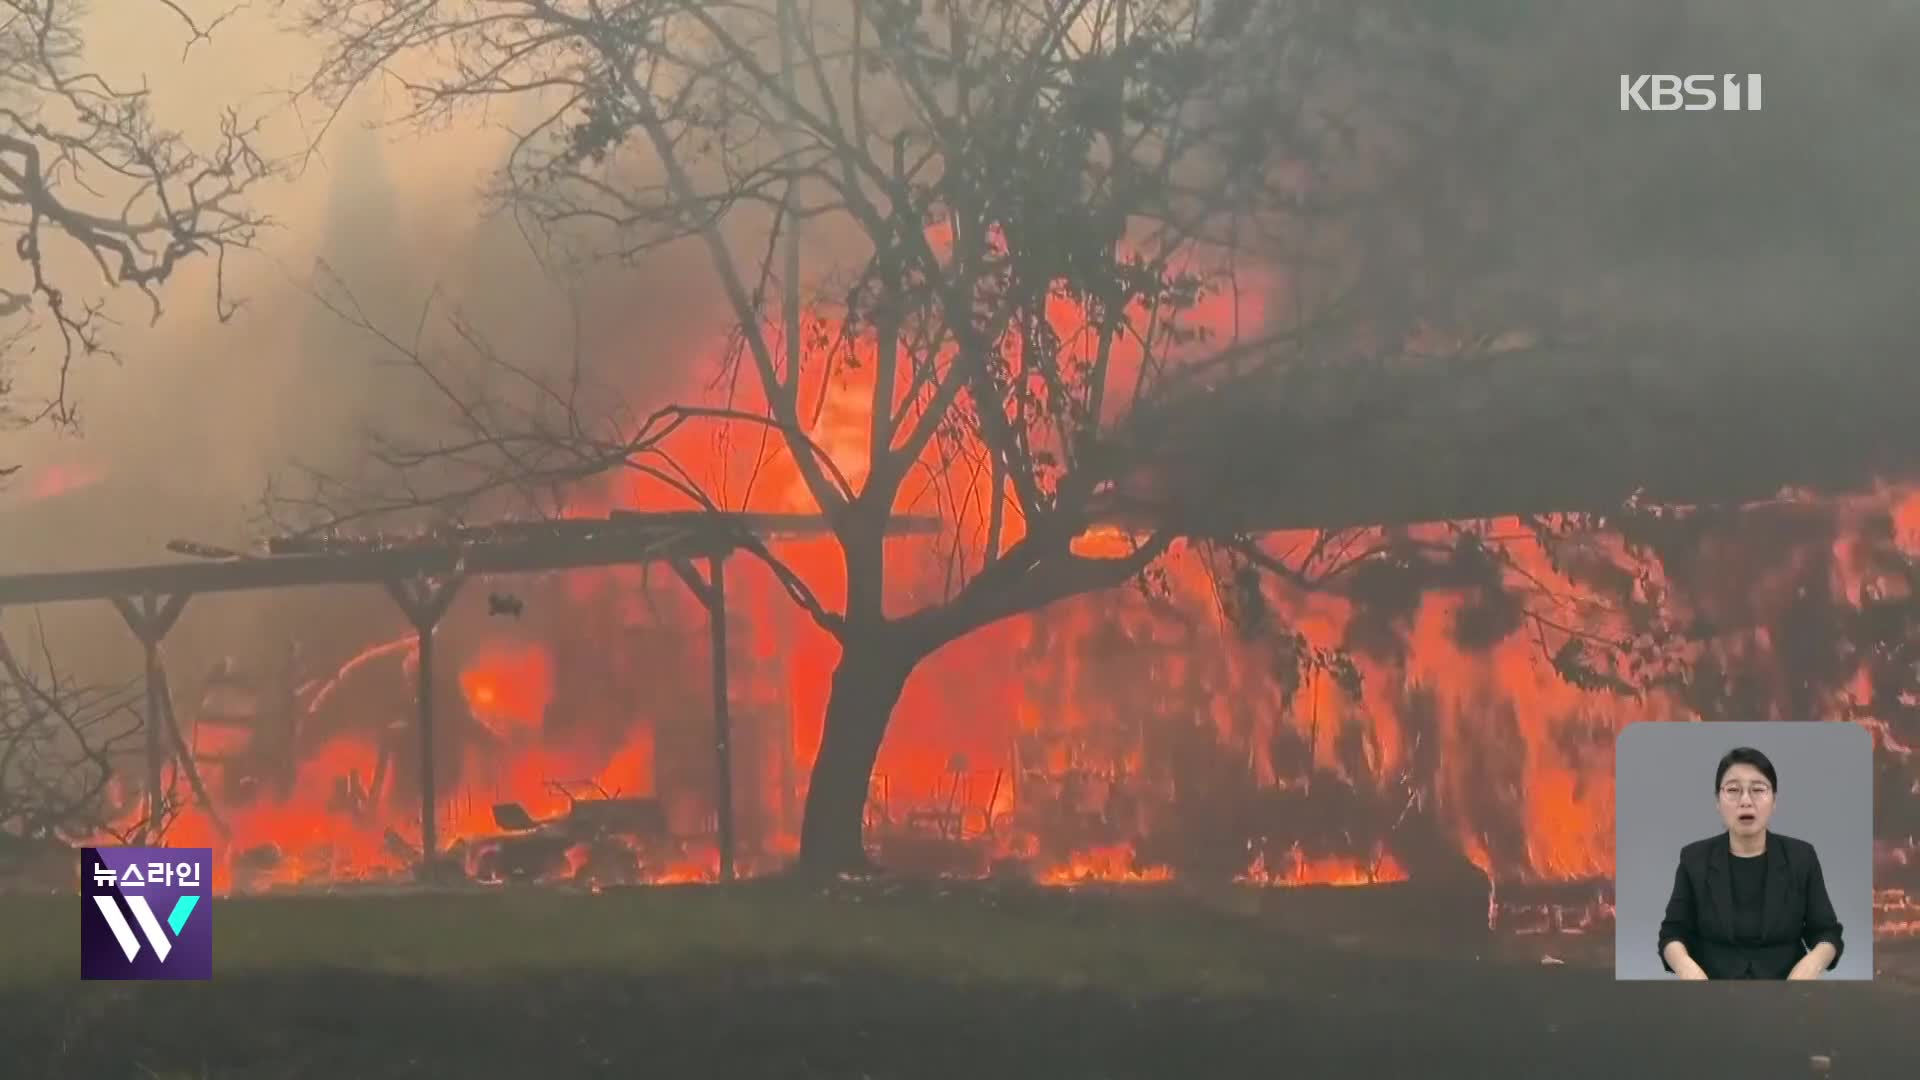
{"x":183,"y":755}
{"x":711,"y":589}
{"x":425,"y":602}
{"x":150,"y":620}
{"x":722,"y":721}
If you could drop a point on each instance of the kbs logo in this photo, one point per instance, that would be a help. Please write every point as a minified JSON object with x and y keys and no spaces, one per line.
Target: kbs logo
{"x":1693,"y":93}
{"x":168,"y":894}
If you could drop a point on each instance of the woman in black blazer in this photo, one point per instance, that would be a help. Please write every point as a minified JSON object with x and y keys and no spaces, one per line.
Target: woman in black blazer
{"x":1748,"y":903}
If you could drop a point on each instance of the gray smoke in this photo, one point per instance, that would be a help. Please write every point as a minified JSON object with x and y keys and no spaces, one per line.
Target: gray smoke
{"x":1797,"y":219}
{"x":1794,"y":219}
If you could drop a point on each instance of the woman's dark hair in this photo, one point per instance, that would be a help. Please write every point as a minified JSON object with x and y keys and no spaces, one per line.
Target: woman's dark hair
{"x":1746,"y":755}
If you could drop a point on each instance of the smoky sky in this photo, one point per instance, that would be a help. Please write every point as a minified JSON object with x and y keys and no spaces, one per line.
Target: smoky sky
{"x":1798,"y":219}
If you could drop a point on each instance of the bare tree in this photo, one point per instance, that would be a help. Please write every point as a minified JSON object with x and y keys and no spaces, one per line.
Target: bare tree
{"x":1031,"y":202}
{"x":88,"y":173}
{"x":58,"y":741}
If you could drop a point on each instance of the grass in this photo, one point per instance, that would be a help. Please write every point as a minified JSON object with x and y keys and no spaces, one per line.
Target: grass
{"x":774,"y":979}
{"x":929,"y":936}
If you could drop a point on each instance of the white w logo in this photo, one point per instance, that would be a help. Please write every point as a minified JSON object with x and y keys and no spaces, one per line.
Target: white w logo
{"x":149,"y":925}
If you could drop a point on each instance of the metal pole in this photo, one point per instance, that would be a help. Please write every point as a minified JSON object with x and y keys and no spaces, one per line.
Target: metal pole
{"x":722,"y":723}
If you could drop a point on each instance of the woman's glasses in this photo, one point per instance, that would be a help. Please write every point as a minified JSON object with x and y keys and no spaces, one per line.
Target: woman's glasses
{"x":1732,"y":792}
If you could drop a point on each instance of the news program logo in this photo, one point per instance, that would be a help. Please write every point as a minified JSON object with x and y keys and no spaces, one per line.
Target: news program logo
{"x":146,"y":913}
{"x":1692,"y":93}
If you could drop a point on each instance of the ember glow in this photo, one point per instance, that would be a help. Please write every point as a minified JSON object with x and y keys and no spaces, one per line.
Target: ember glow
{"x":1376,"y":869}
{"x":508,"y":687}
{"x":55,"y":481}
{"x":1104,"y":864}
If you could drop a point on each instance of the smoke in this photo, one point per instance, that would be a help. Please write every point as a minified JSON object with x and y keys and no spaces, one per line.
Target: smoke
{"x":1796,"y":220}
{"x":1793,"y":220}
{"x":182,"y":432}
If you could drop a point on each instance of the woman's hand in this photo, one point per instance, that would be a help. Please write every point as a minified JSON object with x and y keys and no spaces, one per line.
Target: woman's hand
{"x":1812,"y":965}
{"x":1681,"y":963}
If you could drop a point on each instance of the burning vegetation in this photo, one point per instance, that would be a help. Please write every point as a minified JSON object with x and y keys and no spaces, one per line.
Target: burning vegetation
{"x":1125,"y":653}
{"x":1420,"y":722}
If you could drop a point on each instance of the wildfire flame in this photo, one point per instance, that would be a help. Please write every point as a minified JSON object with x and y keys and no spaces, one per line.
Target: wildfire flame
{"x":1116,"y":863}
{"x":1327,"y":870}
{"x":508,"y":687}
{"x":1071,"y":740}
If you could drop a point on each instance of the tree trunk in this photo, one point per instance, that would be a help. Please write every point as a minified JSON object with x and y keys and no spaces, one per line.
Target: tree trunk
{"x":866,"y":687}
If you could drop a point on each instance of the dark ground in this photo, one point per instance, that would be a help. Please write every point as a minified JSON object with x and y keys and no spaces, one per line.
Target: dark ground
{"x":773,"y":980}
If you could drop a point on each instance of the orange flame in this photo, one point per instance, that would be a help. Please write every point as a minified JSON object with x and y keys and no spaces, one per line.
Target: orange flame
{"x":1115,"y":863}
{"x":508,"y":686}
{"x":1067,"y":740}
